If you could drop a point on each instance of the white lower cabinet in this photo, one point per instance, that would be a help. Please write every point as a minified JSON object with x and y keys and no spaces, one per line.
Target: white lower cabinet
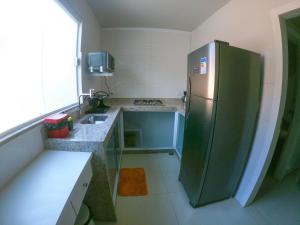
{"x":49,"y":191}
{"x":72,"y":207}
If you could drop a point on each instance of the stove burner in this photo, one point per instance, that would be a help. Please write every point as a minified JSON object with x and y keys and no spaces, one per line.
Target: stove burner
{"x":154,"y":102}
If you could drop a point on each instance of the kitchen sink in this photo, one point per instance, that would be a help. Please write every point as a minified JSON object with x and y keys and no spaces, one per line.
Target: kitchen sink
{"x":93,"y":119}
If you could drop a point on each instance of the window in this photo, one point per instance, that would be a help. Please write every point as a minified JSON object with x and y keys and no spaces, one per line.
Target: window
{"x":38,"y":52}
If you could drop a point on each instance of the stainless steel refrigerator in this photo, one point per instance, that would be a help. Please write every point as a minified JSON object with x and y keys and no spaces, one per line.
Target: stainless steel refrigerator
{"x":224,"y":85}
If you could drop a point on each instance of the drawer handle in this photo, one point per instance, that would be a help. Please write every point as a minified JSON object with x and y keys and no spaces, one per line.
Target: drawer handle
{"x":85,"y":184}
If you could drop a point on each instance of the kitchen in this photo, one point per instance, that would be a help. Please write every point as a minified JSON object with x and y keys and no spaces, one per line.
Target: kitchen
{"x":152,"y":63}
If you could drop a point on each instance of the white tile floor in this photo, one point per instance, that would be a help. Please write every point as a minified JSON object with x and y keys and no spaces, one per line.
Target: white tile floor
{"x":167,"y":204}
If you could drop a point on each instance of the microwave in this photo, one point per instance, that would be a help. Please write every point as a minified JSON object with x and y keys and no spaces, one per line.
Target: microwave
{"x":100,"y":62}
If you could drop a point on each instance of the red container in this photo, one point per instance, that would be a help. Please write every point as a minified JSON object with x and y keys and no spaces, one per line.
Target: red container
{"x":57,"y":125}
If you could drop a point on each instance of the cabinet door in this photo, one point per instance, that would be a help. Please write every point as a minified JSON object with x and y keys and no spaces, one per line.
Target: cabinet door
{"x":68,"y":215}
{"x":111,"y":161}
{"x":81,"y":187}
{"x":149,"y":130}
{"x":180,"y":134}
{"x":113,"y":155}
{"x":117,"y":149}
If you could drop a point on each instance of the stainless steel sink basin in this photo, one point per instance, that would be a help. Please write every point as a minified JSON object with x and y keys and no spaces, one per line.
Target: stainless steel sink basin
{"x":93,"y":119}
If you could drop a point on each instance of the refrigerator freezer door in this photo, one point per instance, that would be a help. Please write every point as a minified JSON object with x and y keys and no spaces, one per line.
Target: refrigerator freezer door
{"x":202,"y":71}
{"x":199,"y":123}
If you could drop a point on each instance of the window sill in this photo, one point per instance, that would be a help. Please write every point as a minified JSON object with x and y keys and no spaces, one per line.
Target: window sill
{"x":19,"y":130}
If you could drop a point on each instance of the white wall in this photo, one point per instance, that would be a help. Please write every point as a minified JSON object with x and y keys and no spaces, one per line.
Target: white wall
{"x":91,"y":40}
{"x":149,"y":62}
{"x":18,"y":152}
{"x":247,"y":24}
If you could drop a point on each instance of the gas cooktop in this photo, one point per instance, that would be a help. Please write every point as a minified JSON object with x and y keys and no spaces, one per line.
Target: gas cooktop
{"x":151,"y":102}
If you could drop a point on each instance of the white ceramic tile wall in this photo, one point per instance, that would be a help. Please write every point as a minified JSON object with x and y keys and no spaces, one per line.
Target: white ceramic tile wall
{"x":149,"y":62}
{"x":91,"y":41}
{"x":247,"y":24}
{"x":18,"y":152}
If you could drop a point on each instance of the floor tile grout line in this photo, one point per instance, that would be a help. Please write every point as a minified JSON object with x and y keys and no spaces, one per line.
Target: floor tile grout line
{"x":173,"y":208}
{"x":265,"y":217}
{"x":257,"y":213}
{"x":168,"y":193}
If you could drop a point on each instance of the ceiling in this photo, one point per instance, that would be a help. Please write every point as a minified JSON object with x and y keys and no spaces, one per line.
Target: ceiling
{"x":183,"y":15}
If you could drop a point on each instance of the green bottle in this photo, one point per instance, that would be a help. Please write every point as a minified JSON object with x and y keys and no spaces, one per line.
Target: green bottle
{"x":70,"y":123}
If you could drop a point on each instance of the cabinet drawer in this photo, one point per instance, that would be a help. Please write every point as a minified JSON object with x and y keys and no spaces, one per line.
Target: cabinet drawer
{"x":81,"y":187}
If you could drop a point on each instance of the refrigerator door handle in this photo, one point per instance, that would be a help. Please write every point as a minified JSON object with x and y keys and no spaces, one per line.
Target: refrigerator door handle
{"x":189,"y":98}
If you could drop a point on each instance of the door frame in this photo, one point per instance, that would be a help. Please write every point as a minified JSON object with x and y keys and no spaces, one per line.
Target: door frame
{"x":278,"y":17}
{"x":292,"y":35}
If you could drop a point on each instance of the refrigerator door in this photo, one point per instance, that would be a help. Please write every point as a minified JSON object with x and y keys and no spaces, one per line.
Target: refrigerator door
{"x":202,"y":71}
{"x":197,"y":138}
{"x":236,"y":114}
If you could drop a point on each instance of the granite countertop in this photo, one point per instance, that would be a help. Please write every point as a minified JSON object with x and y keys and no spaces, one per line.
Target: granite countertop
{"x":169,"y":105}
{"x":93,"y":132}
{"x":99,"y":132}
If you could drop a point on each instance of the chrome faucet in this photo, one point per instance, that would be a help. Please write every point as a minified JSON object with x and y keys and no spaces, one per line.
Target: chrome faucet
{"x":90,"y":95}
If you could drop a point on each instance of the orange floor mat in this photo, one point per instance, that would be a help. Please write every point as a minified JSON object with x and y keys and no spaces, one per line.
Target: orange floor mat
{"x":132,"y":182}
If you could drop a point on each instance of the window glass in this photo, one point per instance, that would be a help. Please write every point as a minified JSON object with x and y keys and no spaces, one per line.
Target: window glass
{"x":38,"y":51}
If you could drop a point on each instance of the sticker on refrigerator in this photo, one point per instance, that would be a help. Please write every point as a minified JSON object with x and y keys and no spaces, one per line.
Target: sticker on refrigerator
{"x":203,"y":65}
{"x":196,"y":70}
